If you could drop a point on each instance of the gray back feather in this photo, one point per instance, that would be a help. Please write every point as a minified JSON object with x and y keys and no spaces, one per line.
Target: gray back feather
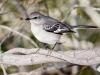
{"x":55,"y":26}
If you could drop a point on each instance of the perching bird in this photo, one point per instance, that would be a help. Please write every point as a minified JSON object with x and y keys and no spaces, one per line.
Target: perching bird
{"x":49,"y":30}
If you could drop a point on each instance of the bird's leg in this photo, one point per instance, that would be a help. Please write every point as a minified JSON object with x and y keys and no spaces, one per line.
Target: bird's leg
{"x":37,"y":50}
{"x":54,"y":46}
{"x":45,"y":47}
{"x":52,"y":49}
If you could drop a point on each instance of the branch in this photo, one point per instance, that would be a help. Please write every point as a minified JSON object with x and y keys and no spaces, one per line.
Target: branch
{"x":79,"y":6}
{"x":38,"y":71}
{"x":30,"y":57}
{"x":83,"y":6}
{"x":3,"y":69}
{"x":21,"y":8}
{"x":46,"y":6}
{"x":18,"y":33}
{"x":3,"y":4}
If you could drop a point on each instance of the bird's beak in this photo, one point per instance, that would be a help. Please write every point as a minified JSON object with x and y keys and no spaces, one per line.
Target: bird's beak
{"x":27,"y":19}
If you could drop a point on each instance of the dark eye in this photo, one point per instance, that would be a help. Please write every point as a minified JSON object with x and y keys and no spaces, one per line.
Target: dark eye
{"x":35,"y":17}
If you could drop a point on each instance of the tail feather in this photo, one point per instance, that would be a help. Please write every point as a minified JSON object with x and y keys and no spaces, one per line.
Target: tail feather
{"x":84,"y":26}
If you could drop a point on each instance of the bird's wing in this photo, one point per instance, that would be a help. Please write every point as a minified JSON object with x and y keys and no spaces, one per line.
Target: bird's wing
{"x":52,"y":25}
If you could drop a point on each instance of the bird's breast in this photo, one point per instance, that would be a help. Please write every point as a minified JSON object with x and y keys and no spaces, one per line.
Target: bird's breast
{"x":44,"y":36}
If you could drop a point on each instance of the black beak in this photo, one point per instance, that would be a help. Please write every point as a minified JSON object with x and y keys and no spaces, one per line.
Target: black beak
{"x":27,"y":19}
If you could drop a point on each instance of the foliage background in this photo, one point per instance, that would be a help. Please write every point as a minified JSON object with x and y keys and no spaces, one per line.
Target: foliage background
{"x":13,"y":13}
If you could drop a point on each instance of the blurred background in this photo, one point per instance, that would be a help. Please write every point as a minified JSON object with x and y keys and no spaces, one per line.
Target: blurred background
{"x":13,"y":13}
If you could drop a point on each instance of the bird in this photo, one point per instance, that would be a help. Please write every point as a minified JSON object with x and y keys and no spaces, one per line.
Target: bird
{"x":49,"y":30}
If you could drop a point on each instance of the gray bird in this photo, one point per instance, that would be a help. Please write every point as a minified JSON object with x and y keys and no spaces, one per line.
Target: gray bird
{"x":49,"y":30}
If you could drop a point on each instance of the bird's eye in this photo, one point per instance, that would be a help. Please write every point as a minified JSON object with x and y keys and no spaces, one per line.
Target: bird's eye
{"x":35,"y":17}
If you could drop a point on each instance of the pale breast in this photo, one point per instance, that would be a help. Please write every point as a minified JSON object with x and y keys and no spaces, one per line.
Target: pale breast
{"x":44,"y":36}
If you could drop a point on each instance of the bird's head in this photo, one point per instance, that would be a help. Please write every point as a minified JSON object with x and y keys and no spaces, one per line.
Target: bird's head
{"x":35,"y":18}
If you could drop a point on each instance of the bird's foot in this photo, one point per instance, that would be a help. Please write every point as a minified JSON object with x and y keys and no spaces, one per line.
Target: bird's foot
{"x":48,"y":53}
{"x":45,"y":47}
{"x":50,"y":50}
{"x":37,"y":50}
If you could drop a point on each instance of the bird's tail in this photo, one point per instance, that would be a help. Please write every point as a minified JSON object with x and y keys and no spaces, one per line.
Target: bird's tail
{"x":83,"y":26}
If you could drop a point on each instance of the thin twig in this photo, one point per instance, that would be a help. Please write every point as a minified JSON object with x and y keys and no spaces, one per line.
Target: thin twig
{"x":2,"y":66}
{"x":22,"y":35}
{"x":55,"y":4}
{"x":78,"y":6}
{"x":3,"y":4}
{"x":3,"y":69}
{"x":21,"y":8}
{"x":46,"y":5}
{"x":30,"y":4}
{"x":10,"y":10}
{"x":8,"y":35}
{"x":82,"y":6}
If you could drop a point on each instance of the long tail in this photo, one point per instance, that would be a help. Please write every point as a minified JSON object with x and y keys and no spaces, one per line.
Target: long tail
{"x":84,"y":26}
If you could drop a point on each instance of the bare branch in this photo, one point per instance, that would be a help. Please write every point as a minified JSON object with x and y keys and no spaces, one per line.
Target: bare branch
{"x":46,"y":6}
{"x":14,"y":8}
{"x":38,"y":71}
{"x":21,"y":8}
{"x":18,"y":33}
{"x":79,"y":6}
{"x":58,"y":8}
{"x":20,"y":73}
{"x":8,"y":35}
{"x":83,"y":6}
{"x":22,"y":56}
{"x":30,"y":4}
{"x":3,"y":69}
{"x":3,"y":4}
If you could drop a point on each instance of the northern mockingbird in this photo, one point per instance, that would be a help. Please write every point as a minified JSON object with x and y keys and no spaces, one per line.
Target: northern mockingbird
{"x":49,"y":30}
